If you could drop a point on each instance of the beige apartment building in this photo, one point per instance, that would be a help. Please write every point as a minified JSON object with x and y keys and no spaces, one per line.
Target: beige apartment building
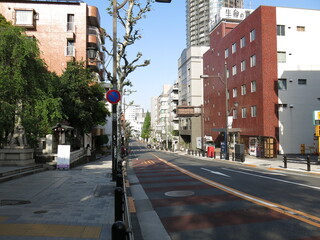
{"x":66,"y":31}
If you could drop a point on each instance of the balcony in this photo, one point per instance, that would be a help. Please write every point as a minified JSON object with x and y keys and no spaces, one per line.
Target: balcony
{"x":93,"y":16}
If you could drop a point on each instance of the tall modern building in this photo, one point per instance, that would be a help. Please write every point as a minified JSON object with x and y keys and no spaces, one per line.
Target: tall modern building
{"x":200,"y":15}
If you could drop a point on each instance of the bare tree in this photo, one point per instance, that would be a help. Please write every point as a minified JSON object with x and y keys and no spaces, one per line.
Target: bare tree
{"x":128,"y":17}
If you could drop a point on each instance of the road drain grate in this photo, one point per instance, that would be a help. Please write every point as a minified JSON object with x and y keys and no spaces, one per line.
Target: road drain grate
{"x":7,"y":202}
{"x":40,"y":212}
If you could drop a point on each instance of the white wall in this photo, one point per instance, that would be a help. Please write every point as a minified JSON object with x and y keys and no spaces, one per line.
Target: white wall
{"x":302,"y":62}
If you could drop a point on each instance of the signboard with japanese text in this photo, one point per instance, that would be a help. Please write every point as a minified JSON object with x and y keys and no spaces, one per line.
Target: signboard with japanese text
{"x":237,"y":14}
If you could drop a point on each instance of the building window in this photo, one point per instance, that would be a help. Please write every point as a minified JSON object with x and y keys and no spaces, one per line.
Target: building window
{"x":243,"y":89}
{"x":70,"y":22}
{"x":234,"y":92}
{"x":242,"y":42}
{"x":235,"y":113}
{"x":282,"y":57}
{"x":281,"y":30}
{"x":282,"y":106}
{"x":24,"y":18}
{"x":234,"y":70}
{"x":243,"y":65}
{"x":302,"y":81}
{"x":244,"y":112}
{"x":253,"y":111}
{"x":253,"y":86}
{"x":282,"y":84}
{"x":234,"y":48}
{"x":70,"y":50}
{"x":228,"y":73}
{"x":226,"y":53}
{"x":252,"y":35}
{"x":301,"y":28}
{"x":253,"y":61}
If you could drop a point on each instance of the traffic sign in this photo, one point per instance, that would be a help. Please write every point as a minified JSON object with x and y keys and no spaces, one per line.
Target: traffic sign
{"x":113,"y":96}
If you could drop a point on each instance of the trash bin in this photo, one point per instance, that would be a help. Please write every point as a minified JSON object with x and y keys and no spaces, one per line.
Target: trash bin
{"x":210,"y":151}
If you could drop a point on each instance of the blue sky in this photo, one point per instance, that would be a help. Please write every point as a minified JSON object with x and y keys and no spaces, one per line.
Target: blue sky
{"x":164,"y":38}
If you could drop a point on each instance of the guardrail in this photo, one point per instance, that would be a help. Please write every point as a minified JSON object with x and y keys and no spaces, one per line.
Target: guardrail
{"x":307,"y":161}
{"x":122,"y":227}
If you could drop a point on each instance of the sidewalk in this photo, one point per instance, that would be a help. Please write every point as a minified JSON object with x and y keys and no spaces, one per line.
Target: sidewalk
{"x":294,"y":163}
{"x":59,"y":204}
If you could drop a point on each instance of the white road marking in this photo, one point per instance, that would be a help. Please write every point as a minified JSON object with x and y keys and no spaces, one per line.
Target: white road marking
{"x":274,"y":179}
{"x":218,"y":173}
{"x":269,"y":173}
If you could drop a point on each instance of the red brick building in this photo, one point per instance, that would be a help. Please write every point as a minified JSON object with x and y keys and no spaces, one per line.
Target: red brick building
{"x":244,"y":54}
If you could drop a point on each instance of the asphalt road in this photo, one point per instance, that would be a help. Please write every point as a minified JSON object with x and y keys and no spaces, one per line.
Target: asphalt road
{"x":214,"y":199}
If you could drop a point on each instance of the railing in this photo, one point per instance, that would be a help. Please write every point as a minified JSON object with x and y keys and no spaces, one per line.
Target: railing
{"x":122,"y":227}
{"x":306,"y":160}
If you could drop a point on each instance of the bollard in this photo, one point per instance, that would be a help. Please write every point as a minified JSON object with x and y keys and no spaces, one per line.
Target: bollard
{"x":119,"y":180}
{"x":285,"y":161}
{"x":118,"y":204}
{"x":220,"y":155}
{"x":308,"y":164}
{"x":119,"y":231}
{"x":214,"y":155}
{"x":233,"y":156}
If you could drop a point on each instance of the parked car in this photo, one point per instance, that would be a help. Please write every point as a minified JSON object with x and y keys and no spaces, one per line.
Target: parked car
{"x":149,"y":146}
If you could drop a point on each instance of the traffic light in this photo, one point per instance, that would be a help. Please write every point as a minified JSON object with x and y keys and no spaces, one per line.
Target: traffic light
{"x":317,"y":130}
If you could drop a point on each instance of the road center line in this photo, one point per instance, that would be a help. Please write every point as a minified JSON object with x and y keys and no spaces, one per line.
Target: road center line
{"x":271,"y":178}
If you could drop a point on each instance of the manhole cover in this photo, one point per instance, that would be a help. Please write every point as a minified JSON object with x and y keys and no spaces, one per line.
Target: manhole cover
{"x":40,"y":212}
{"x":80,"y":182}
{"x":179,"y":193}
{"x":13,"y":202}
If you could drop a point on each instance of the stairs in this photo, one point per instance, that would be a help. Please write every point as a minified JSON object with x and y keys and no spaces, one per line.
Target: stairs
{"x":20,"y":172}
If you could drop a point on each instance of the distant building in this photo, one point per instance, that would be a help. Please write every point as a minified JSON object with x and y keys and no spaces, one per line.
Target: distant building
{"x":135,"y":117}
{"x":271,"y":64}
{"x":190,"y":66}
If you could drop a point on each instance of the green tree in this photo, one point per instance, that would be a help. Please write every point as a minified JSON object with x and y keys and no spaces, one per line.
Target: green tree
{"x":82,"y":98}
{"x":146,"y":128}
{"x":25,"y":85}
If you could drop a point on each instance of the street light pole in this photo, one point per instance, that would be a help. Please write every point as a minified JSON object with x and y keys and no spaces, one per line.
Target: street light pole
{"x":227,"y":111}
{"x":225,"y":82}
{"x":115,"y":87}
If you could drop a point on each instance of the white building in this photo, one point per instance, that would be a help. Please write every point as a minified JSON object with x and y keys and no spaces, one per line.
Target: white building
{"x":190,"y":93}
{"x":298,"y":38}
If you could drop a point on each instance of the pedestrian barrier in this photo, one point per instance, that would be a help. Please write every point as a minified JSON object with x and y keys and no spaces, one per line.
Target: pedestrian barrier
{"x":306,"y":160}
{"x":122,"y":227}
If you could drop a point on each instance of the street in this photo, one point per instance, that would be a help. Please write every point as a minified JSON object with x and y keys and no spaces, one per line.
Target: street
{"x":215,"y":199}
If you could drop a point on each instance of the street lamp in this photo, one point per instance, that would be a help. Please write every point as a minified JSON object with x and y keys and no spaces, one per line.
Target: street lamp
{"x":225,"y":82}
